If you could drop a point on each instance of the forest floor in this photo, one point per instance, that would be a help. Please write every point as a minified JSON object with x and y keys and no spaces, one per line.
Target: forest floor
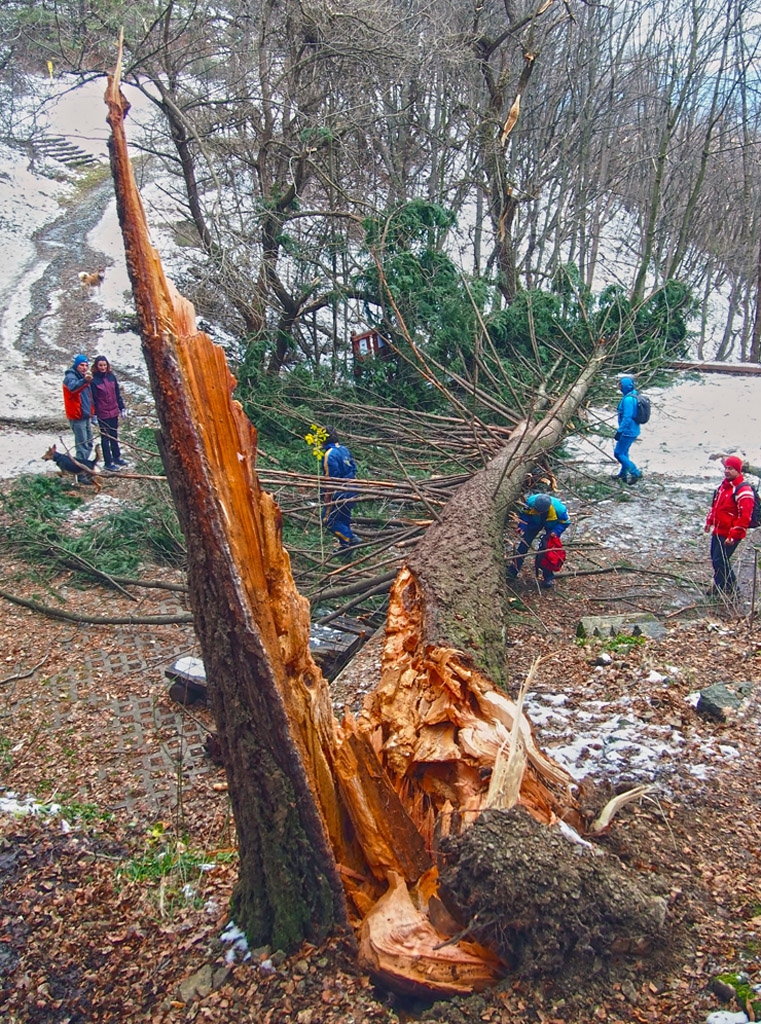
{"x":114,"y":897}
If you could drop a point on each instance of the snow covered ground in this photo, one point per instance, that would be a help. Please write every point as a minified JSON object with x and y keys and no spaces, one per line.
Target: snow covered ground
{"x":37,"y":340}
{"x":692,"y":421}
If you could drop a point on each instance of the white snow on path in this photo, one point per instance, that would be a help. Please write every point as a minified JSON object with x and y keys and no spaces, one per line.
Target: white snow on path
{"x":30,"y":199}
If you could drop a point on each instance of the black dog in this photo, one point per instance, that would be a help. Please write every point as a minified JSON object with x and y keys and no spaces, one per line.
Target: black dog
{"x":76,"y":468}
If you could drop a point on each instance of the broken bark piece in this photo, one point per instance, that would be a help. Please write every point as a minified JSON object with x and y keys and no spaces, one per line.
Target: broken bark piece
{"x":401,"y":949}
{"x":438,"y":724}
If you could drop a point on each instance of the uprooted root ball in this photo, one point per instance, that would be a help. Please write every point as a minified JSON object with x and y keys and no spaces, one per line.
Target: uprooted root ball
{"x":543,"y":901}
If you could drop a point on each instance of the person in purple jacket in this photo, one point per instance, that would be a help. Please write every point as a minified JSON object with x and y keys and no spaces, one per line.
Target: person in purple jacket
{"x":109,"y":406}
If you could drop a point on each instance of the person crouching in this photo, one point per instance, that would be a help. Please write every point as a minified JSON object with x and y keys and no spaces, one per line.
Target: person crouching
{"x":540,"y":512}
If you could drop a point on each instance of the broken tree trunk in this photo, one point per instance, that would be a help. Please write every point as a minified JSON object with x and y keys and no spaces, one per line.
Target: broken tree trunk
{"x":272,"y":708}
{"x":337,"y":823}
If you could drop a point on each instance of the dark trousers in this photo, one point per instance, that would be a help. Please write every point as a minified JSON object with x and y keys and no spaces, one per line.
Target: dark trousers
{"x":109,"y":435}
{"x":528,"y":538}
{"x":723,"y":577}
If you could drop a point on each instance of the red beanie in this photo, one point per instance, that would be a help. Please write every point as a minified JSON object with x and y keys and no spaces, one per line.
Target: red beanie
{"x":734,"y":462}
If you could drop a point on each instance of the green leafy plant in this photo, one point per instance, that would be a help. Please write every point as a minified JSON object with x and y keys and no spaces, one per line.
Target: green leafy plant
{"x":745,"y":993}
{"x":37,"y":527}
{"x":171,"y":865}
{"x":622,"y":643}
{"x":86,"y":813}
{"x":6,"y":758}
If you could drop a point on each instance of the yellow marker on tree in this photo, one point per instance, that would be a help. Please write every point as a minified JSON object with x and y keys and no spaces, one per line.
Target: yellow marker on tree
{"x":50,"y":69}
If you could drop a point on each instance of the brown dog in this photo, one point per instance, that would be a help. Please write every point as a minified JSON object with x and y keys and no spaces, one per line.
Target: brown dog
{"x":73,"y":467}
{"x":92,"y":282}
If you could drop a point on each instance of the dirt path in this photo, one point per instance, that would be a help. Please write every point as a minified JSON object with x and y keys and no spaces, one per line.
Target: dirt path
{"x":49,"y":317}
{"x":62,"y":316}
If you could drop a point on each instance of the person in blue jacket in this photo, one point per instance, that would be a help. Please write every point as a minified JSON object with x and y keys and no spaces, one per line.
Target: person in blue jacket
{"x":540,"y":512}
{"x":337,"y":505}
{"x":627,"y":433}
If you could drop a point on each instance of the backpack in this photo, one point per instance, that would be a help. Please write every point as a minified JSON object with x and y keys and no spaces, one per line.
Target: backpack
{"x":755,"y":516}
{"x":642,"y":414}
{"x":551,"y":556}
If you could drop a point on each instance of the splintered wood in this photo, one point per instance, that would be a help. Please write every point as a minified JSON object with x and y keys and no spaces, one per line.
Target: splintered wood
{"x":417,"y":762}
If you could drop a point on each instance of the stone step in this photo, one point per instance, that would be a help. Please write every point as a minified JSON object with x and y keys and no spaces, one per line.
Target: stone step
{"x":57,"y":148}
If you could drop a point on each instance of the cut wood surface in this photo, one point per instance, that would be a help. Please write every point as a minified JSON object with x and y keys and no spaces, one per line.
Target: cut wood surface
{"x":338,"y":823}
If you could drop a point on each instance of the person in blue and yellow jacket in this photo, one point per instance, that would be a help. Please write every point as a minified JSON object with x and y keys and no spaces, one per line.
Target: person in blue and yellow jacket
{"x":337,"y":505}
{"x":540,"y":512}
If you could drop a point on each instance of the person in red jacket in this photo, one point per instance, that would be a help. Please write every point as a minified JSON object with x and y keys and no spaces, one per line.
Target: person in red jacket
{"x":729,"y":519}
{"x":78,"y":404}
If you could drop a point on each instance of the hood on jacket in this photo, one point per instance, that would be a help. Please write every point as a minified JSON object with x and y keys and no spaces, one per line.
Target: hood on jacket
{"x":626,"y":384}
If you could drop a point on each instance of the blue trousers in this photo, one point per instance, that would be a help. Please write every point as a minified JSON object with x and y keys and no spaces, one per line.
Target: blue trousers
{"x":336,"y":517}
{"x":524,"y":544}
{"x":82,"y":430}
{"x":724,"y":578}
{"x":621,"y":454}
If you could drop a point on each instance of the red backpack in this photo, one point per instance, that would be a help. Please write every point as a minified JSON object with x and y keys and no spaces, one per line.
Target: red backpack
{"x":552,"y":555}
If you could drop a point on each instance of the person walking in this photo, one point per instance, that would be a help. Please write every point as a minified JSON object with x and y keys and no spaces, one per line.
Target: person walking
{"x":540,"y":512}
{"x":338,"y":464}
{"x":78,"y":405}
{"x":109,"y":406}
{"x":628,"y":431}
{"x":728,"y":522}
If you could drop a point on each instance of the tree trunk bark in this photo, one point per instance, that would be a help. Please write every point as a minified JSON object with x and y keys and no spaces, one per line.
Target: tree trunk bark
{"x":245,"y":608}
{"x":755,"y":345}
{"x":460,"y":563}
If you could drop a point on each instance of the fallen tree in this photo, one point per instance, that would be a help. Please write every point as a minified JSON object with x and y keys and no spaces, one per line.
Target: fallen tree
{"x":339,"y":824}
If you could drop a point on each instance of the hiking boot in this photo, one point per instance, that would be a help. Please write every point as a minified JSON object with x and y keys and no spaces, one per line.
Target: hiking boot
{"x":120,"y":462}
{"x":632,"y":479}
{"x":84,"y":479}
{"x":618,"y":476}
{"x":111,"y":467}
{"x":512,"y":573}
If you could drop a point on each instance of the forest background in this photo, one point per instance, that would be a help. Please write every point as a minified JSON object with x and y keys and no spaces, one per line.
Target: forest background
{"x":491,"y":188}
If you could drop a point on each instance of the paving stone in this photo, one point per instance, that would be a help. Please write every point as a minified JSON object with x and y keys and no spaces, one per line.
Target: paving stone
{"x":152,"y":746}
